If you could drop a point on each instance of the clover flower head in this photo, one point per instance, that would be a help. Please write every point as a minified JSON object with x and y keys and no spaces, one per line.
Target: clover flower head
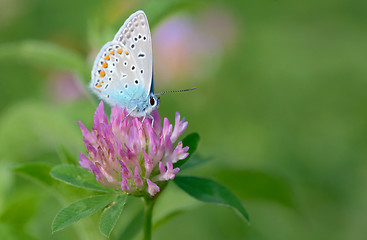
{"x":128,"y":154}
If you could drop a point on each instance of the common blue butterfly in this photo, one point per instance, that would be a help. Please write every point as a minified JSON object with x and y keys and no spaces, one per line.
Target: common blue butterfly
{"x":123,"y":70}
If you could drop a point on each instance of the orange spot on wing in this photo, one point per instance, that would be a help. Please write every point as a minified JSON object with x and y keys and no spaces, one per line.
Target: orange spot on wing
{"x":126,"y":52}
{"x":104,"y":64}
{"x":102,"y":74}
{"x":119,"y":51}
{"x":112,"y":52}
{"x":98,"y":85}
{"x":107,"y":57}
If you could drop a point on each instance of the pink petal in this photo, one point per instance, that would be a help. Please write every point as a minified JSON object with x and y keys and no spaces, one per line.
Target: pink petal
{"x":148,"y":164}
{"x":134,"y":140}
{"x":171,"y":173}
{"x":137,"y":178}
{"x":99,"y":116}
{"x":84,"y":162}
{"x":125,"y":186}
{"x":162,"y":169}
{"x":167,"y":128}
{"x":152,"y":188}
{"x":89,"y":138}
{"x":180,"y":127}
{"x":125,"y":171}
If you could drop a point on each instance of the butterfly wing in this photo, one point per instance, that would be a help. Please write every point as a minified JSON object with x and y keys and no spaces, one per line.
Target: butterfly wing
{"x":135,"y":36}
{"x":116,"y":78}
{"x":122,"y":72}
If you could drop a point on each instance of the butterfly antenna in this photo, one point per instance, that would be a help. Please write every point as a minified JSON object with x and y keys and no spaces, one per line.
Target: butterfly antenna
{"x":183,"y":90}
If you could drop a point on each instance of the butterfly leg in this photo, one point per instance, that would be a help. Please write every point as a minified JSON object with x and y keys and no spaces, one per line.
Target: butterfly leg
{"x":129,"y":113}
{"x":150,"y":116}
{"x":141,"y":126}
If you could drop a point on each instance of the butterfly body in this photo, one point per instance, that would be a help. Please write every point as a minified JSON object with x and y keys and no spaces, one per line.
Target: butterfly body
{"x":123,"y":70}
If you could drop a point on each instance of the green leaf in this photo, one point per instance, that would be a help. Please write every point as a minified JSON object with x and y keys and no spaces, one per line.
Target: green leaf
{"x":191,"y":140}
{"x":210,"y":191}
{"x":36,"y":171}
{"x":40,"y":173}
{"x":111,"y":214}
{"x":78,"y":177}
{"x":79,"y":210}
{"x":45,"y":54}
{"x":195,"y":162}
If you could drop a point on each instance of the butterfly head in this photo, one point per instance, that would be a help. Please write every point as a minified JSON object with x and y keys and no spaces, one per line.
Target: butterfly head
{"x":153,"y":102}
{"x":144,"y":108}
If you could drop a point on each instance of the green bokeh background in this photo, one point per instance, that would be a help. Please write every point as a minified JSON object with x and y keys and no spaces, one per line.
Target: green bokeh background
{"x":283,"y":117}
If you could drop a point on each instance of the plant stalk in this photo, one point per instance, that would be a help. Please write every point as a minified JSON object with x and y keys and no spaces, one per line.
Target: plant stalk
{"x":149,"y":204}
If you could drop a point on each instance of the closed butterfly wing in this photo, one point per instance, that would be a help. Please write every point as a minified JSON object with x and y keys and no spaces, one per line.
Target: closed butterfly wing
{"x":123,"y":70}
{"x":115,"y":78}
{"x":135,"y":36}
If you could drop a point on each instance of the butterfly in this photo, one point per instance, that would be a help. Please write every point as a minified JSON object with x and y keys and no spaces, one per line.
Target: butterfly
{"x":123,"y":70}
{"x":122,"y":73}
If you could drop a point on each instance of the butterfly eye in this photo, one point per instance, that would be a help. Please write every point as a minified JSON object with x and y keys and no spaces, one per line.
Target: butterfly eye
{"x":152,"y":102}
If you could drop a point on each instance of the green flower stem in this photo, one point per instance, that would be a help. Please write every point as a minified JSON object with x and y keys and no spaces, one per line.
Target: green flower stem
{"x":149,"y":204}
{"x":148,"y":212}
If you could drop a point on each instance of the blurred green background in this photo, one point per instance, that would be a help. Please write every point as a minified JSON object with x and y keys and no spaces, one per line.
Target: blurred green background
{"x":280,"y":107}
